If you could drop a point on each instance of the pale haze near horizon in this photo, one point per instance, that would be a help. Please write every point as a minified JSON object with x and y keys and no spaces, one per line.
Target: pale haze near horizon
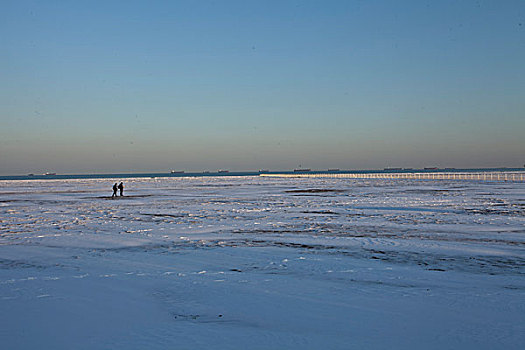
{"x":102,"y":87}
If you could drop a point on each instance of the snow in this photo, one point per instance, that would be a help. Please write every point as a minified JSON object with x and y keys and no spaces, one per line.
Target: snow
{"x":262,"y":263}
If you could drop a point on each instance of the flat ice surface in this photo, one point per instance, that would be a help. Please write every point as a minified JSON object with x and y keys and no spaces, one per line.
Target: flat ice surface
{"x":262,"y":263}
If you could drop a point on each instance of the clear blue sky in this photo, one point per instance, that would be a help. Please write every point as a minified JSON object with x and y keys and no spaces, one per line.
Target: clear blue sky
{"x":129,"y":86}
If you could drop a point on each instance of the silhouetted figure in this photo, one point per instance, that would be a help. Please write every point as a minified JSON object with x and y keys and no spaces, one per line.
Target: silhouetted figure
{"x":115,"y":188}
{"x":121,"y":188}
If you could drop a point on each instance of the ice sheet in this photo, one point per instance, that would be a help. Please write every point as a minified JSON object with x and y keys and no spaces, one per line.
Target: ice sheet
{"x":237,"y":262}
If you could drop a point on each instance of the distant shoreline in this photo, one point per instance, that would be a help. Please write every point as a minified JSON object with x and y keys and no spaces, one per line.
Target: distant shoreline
{"x":249,"y":173}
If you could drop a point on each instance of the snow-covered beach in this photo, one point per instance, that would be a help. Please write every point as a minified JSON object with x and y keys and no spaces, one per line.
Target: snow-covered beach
{"x":262,"y":263}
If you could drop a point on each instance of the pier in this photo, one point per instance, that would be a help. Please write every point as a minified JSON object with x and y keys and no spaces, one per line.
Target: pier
{"x":482,"y":176}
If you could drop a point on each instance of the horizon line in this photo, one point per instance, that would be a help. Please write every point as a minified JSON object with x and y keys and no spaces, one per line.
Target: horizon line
{"x":224,"y":172}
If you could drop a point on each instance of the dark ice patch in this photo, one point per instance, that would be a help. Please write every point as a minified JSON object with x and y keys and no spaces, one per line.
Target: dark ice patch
{"x":315,"y":190}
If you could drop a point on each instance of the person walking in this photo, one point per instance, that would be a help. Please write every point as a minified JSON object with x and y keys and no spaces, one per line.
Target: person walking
{"x":115,"y":188}
{"x":121,"y":188}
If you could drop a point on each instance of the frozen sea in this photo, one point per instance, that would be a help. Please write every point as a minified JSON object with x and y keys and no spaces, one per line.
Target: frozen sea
{"x":262,"y":263}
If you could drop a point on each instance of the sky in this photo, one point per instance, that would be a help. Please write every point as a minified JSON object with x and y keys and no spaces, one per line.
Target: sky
{"x":140,"y":86}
